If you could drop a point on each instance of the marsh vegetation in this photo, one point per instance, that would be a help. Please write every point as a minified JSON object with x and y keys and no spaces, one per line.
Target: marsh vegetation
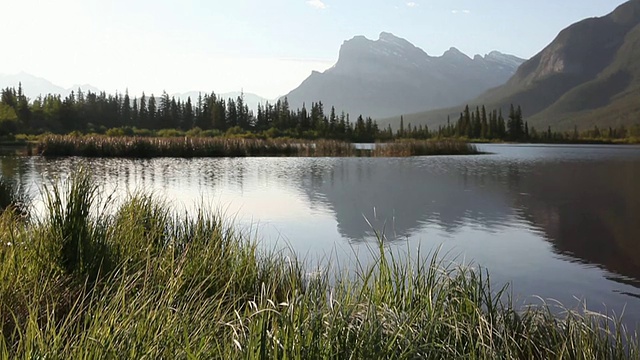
{"x":141,"y":280}
{"x":148,"y":147}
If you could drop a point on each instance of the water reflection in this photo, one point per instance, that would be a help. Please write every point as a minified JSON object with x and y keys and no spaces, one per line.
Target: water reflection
{"x":589,"y":211}
{"x":402,"y":195}
{"x":557,"y":221}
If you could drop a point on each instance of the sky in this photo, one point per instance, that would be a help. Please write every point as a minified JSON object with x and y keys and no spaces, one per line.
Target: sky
{"x":267,"y":47}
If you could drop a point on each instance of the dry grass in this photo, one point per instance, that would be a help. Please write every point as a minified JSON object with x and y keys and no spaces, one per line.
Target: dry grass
{"x":148,"y":147}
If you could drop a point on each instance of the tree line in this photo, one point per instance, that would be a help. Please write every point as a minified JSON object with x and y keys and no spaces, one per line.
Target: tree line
{"x":98,"y":112}
{"x":210,"y":114}
{"x":482,"y":125}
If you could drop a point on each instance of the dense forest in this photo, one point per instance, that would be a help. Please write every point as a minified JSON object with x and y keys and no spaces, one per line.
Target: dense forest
{"x":483,"y":125}
{"x":98,"y":113}
{"x":211,"y":115}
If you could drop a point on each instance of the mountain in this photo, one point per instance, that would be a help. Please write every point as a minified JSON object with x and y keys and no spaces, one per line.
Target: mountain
{"x":34,"y":86}
{"x":390,"y":76}
{"x":589,"y":75}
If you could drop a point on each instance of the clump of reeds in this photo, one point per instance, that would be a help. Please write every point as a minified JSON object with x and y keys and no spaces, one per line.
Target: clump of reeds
{"x":169,"y":286}
{"x":402,"y":148}
{"x":12,"y":198}
{"x":148,"y":147}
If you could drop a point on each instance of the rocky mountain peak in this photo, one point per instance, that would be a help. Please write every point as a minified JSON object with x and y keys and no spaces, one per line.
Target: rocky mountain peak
{"x":587,"y":76}
{"x":390,"y":76}
{"x":506,"y":59}
{"x":454,"y":53}
{"x":626,"y":13}
{"x":389,"y":39}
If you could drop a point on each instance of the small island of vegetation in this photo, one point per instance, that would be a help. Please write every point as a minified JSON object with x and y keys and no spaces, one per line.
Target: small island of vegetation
{"x":187,"y":147}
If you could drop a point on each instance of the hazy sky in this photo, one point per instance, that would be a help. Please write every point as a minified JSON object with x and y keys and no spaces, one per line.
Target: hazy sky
{"x":263,"y":46}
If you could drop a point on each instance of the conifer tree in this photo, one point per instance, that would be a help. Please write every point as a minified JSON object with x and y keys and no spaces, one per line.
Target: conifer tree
{"x":126,"y":109}
{"x":152,"y":113}
{"x":188,"y":121}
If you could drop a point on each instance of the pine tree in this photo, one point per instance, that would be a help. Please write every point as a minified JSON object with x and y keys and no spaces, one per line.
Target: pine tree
{"x":175,"y":115}
{"x":232,"y":114}
{"x":165,"y":111}
{"x":135,"y":114}
{"x":519,"y":124}
{"x":304,"y":122}
{"x":188,"y":120}
{"x":152,"y":113}
{"x":126,"y":109}
{"x":501,"y":128}
{"x":333,"y":122}
{"x":369,"y":129}
{"x":243,"y":112}
{"x":511,"y":124}
{"x":484,"y":124}
{"x":22,"y":109}
{"x":143,"y":111}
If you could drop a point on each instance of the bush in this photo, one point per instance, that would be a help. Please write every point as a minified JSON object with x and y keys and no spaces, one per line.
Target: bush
{"x":121,"y":131}
{"x":142,"y":132}
{"x":167,"y":133}
{"x":195,"y":132}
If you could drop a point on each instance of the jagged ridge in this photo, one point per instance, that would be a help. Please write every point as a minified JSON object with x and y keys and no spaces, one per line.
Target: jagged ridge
{"x":588,"y":75}
{"x":390,"y":75}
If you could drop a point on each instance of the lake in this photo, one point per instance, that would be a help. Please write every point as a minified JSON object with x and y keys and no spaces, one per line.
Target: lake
{"x":559,"y":222}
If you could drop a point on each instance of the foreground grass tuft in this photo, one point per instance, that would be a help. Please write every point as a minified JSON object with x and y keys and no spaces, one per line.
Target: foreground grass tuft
{"x":148,"y":147}
{"x":142,"y":282}
{"x":12,"y":198}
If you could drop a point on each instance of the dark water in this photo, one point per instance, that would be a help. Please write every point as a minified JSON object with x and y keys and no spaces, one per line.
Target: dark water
{"x":559,"y":222}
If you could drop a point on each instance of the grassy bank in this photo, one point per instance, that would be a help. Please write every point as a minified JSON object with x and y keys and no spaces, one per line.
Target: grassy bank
{"x":142,"y":282}
{"x":147,"y":147}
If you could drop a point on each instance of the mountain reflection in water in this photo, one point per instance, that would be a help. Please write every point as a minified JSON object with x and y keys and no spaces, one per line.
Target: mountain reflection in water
{"x":556,"y":221}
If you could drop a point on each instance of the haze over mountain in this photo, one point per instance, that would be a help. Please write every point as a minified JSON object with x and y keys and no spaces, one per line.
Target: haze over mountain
{"x":390,"y":76}
{"x":589,"y":75}
{"x":34,"y":86}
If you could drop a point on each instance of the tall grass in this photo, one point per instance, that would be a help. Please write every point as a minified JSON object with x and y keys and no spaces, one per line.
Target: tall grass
{"x":146,"y":147}
{"x":401,"y":148}
{"x":12,"y":198}
{"x":143,"y":282}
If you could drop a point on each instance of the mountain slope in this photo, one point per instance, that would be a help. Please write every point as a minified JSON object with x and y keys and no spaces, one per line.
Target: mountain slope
{"x":32,"y":86}
{"x":390,"y":75}
{"x":589,"y":75}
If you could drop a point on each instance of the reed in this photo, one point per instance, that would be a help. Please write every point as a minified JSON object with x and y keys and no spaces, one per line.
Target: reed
{"x":12,"y":198}
{"x":170,"y":286}
{"x":400,"y":148}
{"x":148,"y":147}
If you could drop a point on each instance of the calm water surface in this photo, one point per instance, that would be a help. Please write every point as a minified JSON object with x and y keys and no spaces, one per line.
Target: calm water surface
{"x":559,"y":222}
